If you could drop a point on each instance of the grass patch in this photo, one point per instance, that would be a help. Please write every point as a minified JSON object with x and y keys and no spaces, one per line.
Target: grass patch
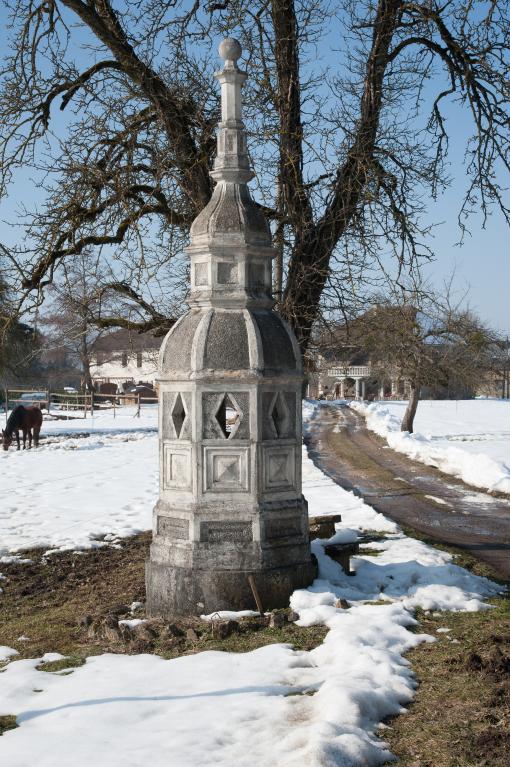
{"x":71,"y":662}
{"x":461,"y":713}
{"x":299,"y":637}
{"x":7,"y":723}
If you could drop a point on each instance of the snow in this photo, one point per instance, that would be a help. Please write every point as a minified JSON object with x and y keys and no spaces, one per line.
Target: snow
{"x":73,"y":491}
{"x":132,"y":622}
{"x":271,"y":707}
{"x":227,"y":615}
{"x":469,"y":439}
{"x":6,"y":652}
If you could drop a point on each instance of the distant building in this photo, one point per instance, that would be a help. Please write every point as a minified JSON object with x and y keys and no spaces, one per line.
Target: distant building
{"x":125,"y":358}
{"x":350,"y":374}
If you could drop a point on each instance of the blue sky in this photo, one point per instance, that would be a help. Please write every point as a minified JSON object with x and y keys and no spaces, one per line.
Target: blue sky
{"x":481,"y":264}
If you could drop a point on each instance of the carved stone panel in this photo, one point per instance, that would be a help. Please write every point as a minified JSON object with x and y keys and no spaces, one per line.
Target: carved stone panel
{"x":279,"y":468}
{"x":176,"y":467}
{"x":201,"y":274}
{"x":257,"y":277}
{"x":173,"y":527}
{"x":225,"y":470}
{"x":226,"y":531}
{"x":227,"y":273}
{"x":225,"y":415}
{"x":279,"y":415}
{"x":176,"y":415}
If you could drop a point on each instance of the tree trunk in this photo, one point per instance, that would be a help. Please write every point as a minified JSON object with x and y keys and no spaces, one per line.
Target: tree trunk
{"x":414,"y":397}
{"x":85,"y":363}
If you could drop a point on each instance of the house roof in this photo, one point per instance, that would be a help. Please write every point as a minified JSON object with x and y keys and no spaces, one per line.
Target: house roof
{"x":126,"y":340}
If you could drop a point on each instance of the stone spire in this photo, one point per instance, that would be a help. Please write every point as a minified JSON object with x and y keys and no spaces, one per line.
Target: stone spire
{"x":230,"y":511}
{"x":230,"y":248}
{"x":232,"y":162}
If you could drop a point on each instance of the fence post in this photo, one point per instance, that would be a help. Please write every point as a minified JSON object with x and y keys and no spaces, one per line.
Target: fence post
{"x":6,"y":404}
{"x":92,"y":403}
{"x":138,"y":411}
{"x":114,"y":406}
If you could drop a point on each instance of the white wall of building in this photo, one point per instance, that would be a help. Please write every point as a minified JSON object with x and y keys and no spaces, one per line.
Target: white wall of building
{"x":114,"y":371}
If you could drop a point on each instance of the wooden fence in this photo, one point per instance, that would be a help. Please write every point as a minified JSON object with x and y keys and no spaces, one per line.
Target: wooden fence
{"x":65,"y":405}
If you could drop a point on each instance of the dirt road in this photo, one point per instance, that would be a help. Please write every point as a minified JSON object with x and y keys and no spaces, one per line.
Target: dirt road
{"x":411,"y":493}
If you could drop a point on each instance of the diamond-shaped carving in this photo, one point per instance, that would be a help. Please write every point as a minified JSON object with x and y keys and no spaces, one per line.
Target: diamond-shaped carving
{"x":178,"y":415}
{"x":228,"y":416}
{"x":226,"y":469}
{"x":278,"y":468}
{"x":279,"y":415}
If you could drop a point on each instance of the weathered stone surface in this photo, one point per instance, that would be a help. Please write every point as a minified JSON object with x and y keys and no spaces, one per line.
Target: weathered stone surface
{"x":179,"y":591}
{"x":223,"y":629}
{"x":277,"y":619}
{"x":226,"y":531}
{"x":176,"y":348}
{"x":173,"y":527}
{"x":276,"y":344}
{"x":227,"y":342}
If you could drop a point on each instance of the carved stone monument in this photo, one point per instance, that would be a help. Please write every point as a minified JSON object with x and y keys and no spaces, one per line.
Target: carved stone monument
{"x":230,"y":373}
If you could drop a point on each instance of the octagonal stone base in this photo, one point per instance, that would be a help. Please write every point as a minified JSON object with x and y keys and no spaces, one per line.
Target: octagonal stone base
{"x":175,"y":591}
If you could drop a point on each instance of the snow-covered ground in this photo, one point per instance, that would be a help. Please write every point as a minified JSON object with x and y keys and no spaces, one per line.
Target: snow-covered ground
{"x":469,"y":439}
{"x":74,"y":490}
{"x":273,"y":707}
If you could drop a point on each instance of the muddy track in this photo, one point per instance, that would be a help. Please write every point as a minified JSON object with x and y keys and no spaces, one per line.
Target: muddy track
{"x":411,"y":493}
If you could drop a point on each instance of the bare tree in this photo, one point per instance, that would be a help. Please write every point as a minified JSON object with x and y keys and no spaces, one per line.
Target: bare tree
{"x":429,"y":341}
{"x":19,"y":343}
{"x":74,"y":302}
{"x":351,"y":147}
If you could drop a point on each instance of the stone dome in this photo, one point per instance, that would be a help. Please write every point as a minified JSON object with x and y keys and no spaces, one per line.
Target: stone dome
{"x":231,"y":216}
{"x":209,"y":339}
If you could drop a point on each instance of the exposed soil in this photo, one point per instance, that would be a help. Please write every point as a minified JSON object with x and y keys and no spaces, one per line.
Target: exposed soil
{"x":71,"y":603}
{"x":411,"y":493}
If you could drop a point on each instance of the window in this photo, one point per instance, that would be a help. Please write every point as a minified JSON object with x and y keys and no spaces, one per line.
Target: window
{"x":124,"y":359}
{"x":138,"y":359}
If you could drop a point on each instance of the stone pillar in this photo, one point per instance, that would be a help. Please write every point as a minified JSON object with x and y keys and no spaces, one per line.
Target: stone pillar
{"x":230,"y":374}
{"x":357,"y":388}
{"x":381,"y":392}
{"x":393,"y":387}
{"x":342,"y":388}
{"x":363,"y":388}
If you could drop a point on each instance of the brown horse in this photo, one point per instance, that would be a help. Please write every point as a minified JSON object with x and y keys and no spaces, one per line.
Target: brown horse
{"x":26,"y":419}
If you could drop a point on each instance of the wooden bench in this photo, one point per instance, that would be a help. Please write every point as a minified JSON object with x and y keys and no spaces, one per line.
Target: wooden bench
{"x":324,"y":526}
{"x":342,"y":553}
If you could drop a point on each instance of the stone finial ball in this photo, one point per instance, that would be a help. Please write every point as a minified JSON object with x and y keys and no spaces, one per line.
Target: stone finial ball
{"x":230,"y":49}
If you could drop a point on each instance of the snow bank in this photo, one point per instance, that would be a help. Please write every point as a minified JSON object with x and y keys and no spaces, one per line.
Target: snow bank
{"x":6,"y":652}
{"x":474,"y":466}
